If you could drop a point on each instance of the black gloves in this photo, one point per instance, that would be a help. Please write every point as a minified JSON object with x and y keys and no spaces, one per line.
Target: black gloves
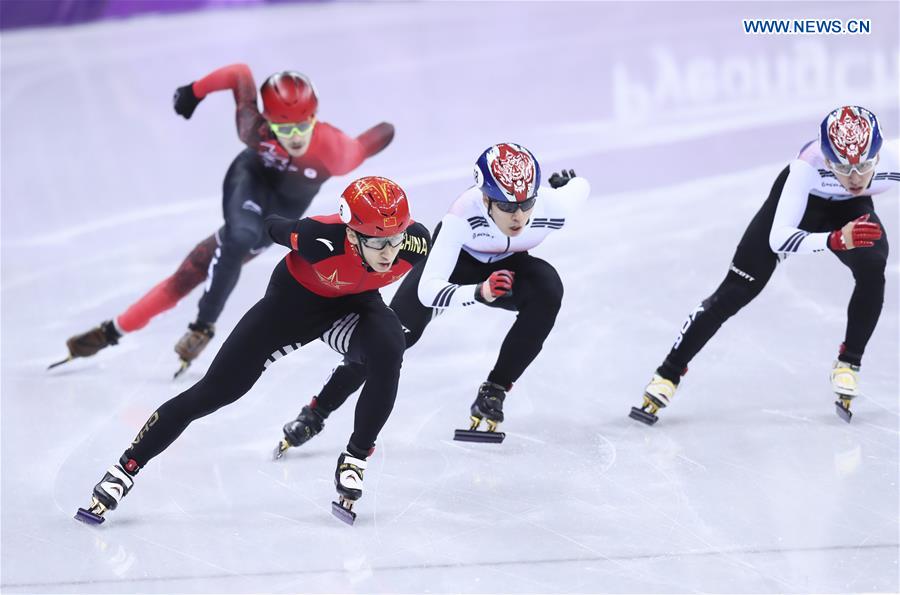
{"x":184,"y":101}
{"x":562,"y":178}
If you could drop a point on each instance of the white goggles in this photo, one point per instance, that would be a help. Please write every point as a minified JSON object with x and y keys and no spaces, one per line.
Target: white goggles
{"x":845,"y":169}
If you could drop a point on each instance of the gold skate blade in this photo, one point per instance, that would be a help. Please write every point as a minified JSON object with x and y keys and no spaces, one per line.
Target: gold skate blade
{"x":650,"y":405}
{"x":282,"y":448}
{"x":183,"y":366}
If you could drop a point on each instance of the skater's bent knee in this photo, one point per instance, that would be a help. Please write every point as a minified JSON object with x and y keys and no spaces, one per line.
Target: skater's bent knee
{"x":729,"y":299}
{"x":871,"y":266}
{"x":387,"y":348}
{"x":240,"y":240}
{"x":545,"y":291}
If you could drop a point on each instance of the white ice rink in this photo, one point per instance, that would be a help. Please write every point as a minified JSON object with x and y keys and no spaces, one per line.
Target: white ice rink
{"x":749,"y":483}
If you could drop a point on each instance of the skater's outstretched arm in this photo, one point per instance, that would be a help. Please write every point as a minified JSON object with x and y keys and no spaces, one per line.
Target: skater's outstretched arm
{"x":251,"y":125}
{"x":344,"y":153}
{"x":566,"y":199}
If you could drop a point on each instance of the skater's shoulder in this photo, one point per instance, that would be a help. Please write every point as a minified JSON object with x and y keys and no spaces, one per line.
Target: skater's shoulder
{"x":418,"y":230}
{"x":323,"y":221}
{"x":417,"y":244}
{"x":467,"y":213}
{"x":328,"y":138}
{"x":320,"y":237}
{"x":810,"y":159}
{"x":468,"y":204}
{"x":888,"y":165}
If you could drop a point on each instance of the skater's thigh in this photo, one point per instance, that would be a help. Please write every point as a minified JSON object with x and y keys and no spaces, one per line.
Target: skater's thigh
{"x":258,"y":339}
{"x":379,"y":332}
{"x":536,"y":279}
{"x":753,"y":260}
{"x":245,"y":193}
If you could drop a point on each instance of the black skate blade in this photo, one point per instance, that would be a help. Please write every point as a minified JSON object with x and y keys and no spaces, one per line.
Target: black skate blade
{"x":60,"y":362}
{"x":87,"y":517}
{"x":348,"y":516}
{"x":184,"y":366}
{"x":479,"y":436}
{"x":643,"y":416}
{"x":844,"y":413}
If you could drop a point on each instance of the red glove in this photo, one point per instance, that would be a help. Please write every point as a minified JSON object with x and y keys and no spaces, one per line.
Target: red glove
{"x":859,"y":233}
{"x":497,"y":285}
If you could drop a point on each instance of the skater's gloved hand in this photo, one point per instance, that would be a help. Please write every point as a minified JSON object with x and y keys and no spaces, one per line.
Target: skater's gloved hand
{"x":859,"y":233}
{"x":562,"y":178}
{"x":498,"y":284}
{"x":184,"y":101}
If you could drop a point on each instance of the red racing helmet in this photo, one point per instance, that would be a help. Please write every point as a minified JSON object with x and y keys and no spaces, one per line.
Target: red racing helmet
{"x":375,"y":207}
{"x":288,"y":97}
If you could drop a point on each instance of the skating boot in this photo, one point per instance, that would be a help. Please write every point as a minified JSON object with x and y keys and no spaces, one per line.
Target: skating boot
{"x":348,"y":479}
{"x":193,"y":343}
{"x":114,"y":486}
{"x":298,"y":431}
{"x":488,"y":406}
{"x":88,"y":343}
{"x":845,"y":384}
{"x":656,"y":396}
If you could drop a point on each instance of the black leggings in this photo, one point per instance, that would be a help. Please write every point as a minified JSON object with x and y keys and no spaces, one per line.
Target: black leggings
{"x":287,"y":317}
{"x":248,"y":197}
{"x":537,"y":296}
{"x":753,"y":265}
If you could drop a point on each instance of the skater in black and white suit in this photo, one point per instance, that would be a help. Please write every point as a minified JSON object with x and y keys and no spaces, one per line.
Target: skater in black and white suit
{"x":822,"y":201}
{"x":480,"y":255}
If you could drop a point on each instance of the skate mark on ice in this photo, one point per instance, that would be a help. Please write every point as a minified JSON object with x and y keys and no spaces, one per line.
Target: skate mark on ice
{"x":785,"y":414}
{"x":427,"y":488}
{"x":881,"y":428}
{"x":870,"y":401}
{"x":729,"y":555}
{"x":312,"y":501}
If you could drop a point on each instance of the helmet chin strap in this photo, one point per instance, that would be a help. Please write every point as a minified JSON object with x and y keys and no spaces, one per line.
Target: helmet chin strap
{"x":362,"y":256}
{"x":358,"y":247}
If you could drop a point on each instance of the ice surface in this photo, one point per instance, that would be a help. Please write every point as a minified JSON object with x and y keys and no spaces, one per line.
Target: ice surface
{"x":749,"y":483}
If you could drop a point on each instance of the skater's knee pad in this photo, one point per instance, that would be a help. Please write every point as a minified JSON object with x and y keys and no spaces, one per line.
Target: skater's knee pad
{"x":239,"y":241}
{"x":729,"y":298}
{"x":387,"y":348}
{"x":869,"y":266}
{"x":544,"y":290}
{"x":193,"y":269}
{"x":549,"y":291}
